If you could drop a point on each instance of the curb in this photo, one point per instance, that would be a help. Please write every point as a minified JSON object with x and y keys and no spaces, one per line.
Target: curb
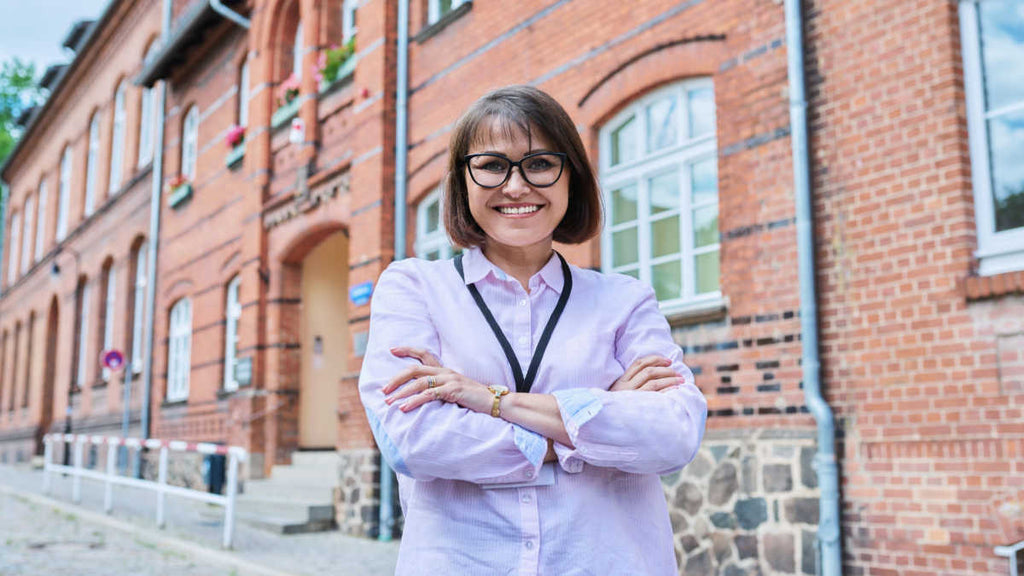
{"x":226,"y":559}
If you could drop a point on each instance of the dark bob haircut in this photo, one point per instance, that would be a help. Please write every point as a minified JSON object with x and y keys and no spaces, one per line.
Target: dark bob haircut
{"x":521,"y":110}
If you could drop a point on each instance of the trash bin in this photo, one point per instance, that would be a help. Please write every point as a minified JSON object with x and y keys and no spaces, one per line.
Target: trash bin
{"x":213,"y":472}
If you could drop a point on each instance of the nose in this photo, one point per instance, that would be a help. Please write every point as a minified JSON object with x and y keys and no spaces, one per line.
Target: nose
{"x":516,"y":187}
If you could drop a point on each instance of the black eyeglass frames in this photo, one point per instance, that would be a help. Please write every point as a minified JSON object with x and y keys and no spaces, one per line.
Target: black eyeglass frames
{"x":540,"y":169}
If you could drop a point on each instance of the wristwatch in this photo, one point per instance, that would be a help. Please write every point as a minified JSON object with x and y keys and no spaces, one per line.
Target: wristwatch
{"x":498,"y":390}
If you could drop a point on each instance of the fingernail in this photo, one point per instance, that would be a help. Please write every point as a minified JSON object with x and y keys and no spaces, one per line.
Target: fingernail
{"x":681,"y":380}
{"x":388,"y":401}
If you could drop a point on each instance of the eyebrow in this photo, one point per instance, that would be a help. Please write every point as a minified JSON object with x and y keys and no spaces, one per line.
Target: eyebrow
{"x":496,"y":153}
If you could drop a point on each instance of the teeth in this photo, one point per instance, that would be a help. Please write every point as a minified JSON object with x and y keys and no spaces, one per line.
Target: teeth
{"x":518,"y":210}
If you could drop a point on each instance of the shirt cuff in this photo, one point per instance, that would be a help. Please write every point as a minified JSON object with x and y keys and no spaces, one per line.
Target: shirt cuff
{"x":577,"y":406}
{"x":531,"y":444}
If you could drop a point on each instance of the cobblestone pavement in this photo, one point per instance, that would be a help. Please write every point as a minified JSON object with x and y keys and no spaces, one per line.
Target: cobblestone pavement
{"x":196,"y":529}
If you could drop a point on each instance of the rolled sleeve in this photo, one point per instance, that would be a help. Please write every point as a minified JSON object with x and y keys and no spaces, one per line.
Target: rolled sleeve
{"x":436,"y":440}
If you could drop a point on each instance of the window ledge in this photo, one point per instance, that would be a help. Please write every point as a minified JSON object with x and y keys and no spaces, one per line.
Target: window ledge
{"x":696,"y":312}
{"x":234,"y":157}
{"x":985,"y":287}
{"x":344,"y":77}
{"x":435,"y":28}
{"x":174,"y":403}
{"x":224,"y":393}
{"x":285,"y":113}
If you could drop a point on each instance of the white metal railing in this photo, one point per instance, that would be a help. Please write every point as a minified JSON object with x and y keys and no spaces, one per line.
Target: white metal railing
{"x":1010,"y":552}
{"x":235,"y":456}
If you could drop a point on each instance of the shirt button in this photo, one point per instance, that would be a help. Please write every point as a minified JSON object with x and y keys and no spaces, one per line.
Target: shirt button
{"x":526,"y":498}
{"x":522,"y":302}
{"x":529,"y":544}
{"x":529,"y":473}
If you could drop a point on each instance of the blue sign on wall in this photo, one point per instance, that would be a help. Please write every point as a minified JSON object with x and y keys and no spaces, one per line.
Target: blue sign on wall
{"x":360,"y":293}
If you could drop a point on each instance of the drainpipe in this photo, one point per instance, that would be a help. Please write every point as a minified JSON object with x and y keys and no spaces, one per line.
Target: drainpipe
{"x":226,"y":12}
{"x":829,"y":553}
{"x":156,"y":196}
{"x":387,"y":513}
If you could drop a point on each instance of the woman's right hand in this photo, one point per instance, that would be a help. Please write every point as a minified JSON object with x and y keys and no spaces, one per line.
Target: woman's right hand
{"x":649,"y":373}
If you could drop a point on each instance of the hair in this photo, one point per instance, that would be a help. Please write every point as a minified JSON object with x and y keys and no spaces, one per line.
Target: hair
{"x":521,"y":110}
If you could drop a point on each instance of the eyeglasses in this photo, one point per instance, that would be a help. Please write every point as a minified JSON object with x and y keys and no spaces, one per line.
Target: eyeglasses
{"x":541,"y":169}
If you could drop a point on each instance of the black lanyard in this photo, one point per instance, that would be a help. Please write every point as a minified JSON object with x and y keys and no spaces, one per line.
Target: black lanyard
{"x":522,"y":384}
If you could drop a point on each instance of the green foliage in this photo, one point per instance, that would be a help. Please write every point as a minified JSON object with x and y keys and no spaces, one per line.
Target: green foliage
{"x":334,"y":58}
{"x":18,"y":91}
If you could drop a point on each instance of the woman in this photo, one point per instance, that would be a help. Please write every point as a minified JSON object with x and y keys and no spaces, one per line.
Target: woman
{"x":497,"y":384}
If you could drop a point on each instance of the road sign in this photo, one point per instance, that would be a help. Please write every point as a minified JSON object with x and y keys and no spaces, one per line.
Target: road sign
{"x":112,"y":359}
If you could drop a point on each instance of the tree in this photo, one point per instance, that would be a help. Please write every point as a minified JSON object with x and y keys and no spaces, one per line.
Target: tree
{"x":18,"y":91}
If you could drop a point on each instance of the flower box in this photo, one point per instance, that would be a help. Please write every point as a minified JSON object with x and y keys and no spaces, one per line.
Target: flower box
{"x":179,"y":194}
{"x":285,"y":113}
{"x":235,"y":155}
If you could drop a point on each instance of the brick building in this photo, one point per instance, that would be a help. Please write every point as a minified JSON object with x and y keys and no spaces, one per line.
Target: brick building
{"x":915,"y":147}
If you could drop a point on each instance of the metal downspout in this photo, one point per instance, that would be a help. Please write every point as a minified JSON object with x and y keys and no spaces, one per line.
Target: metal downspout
{"x":387,"y":513}
{"x":154,"y":236}
{"x":829,"y":552}
{"x":226,"y":12}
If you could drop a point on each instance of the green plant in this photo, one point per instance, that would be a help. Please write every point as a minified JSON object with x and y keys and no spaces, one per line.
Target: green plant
{"x":332,"y":59}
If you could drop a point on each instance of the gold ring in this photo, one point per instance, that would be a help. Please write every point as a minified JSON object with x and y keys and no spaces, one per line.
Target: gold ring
{"x":431,"y":382}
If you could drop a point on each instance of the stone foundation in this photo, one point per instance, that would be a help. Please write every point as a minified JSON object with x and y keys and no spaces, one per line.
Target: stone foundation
{"x":357,"y":500}
{"x":747,"y":505}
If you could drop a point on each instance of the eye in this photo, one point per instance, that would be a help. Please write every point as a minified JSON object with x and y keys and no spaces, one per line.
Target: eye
{"x":490,"y":164}
{"x":539,"y":164}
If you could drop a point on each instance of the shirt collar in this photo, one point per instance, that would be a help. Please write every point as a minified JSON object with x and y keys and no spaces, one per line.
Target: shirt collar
{"x":476,"y":266}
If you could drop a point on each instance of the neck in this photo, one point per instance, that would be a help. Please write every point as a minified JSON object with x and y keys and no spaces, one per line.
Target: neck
{"x":522,"y":262}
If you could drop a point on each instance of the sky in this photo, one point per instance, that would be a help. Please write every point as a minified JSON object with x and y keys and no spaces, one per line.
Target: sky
{"x":33,"y":30}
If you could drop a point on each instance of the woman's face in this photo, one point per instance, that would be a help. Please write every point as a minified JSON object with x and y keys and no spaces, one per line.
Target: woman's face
{"x":516,"y":214}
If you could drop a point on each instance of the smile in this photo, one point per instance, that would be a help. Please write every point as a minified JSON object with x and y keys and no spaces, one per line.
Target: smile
{"x":517,"y":210}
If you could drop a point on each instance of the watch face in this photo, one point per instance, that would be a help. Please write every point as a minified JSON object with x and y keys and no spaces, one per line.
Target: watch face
{"x":499,"y":389}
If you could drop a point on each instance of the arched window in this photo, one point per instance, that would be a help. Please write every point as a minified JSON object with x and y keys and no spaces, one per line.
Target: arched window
{"x":3,"y":366}
{"x":90,"y":165}
{"x":12,"y":252}
{"x":117,"y":140}
{"x":27,"y":384}
{"x":40,"y":222}
{"x":243,"y":94}
{"x":297,"y":49}
{"x":81,"y":332}
{"x":147,"y":117}
{"x":138,"y":310}
{"x":190,"y":143}
{"x":107,"y":314}
{"x":179,"y":351}
{"x":232,"y":314}
{"x":64,"y":194}
{"x":14,"y":366}
{"x":660,"y":176}
{"x":431,"y":239}
{"x":26,"y":240}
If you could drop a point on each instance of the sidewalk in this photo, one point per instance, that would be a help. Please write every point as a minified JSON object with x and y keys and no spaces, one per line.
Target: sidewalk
{"x":197,"y":528}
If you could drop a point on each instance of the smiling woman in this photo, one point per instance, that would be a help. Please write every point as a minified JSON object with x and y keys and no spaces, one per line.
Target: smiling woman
{"x":511,"y":460}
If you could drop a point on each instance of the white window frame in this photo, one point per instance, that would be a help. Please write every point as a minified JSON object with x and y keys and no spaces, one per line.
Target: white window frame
{"x":243,"y":94}
{"x":427,"y":242}
{"x":232,"y":315}
{"x":108,"y":316}
{"x":348,"y":20}
{"x":434,"y":9}
{"x":138,"y":307}
{"x":998,"y":252}
{"x":117,"y":140}
{"x":179,"y":351}
{"x":682,"y":157}
{"x":190,"y":143}
{"x":40,"y":222}
{"x":64,"y":194}
{"x":12,"y":252}
{"x":26,"y":235}
{"x":83,"y":335}
{"x":147,"y":118}
{"x":297,"y":50}
{"x":90,"y":165}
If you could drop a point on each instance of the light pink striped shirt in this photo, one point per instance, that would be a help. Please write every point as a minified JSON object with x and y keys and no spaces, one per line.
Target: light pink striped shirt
{"x":476,"y":496}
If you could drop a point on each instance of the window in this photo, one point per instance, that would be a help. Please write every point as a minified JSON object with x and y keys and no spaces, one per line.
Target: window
{"x":83,"y":332}
{"x":3,"y":365}
{"x":243,"y":94}
{"x":26,"y":240}
{"x":90,"y":164}
{"x":12,"y":252}
{"x":117,"y":140}
{"x":993,"y":47}
{"x":147,"y":118}
{"x":27,"y":384}
{"x":138,"y":307}
{"x":660,"y":176}
{"x":232,"y":313}
{"x":14,"y":367}
{"x":110,"y":283}
{"x":431,"y":239}
{"x":64,"y":193}
{"x":348,"y":20}
{"x":190,"y":143}
{"x":437,"y":9}
{"x":180,"y":351}
{"x":297,"y":52}
{"x":40,"y":222}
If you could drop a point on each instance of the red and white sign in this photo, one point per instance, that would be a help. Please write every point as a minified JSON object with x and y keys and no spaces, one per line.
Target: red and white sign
{"x":112,"y":359}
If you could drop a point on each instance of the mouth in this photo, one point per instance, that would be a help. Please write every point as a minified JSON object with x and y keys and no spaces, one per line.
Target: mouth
{"x":518,"y":209}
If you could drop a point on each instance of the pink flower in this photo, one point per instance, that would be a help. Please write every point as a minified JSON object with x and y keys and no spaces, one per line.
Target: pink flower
{"x":235,"y":136}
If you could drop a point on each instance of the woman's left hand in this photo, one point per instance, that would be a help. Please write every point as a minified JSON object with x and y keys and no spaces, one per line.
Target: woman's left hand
{"x":430,"y":382}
